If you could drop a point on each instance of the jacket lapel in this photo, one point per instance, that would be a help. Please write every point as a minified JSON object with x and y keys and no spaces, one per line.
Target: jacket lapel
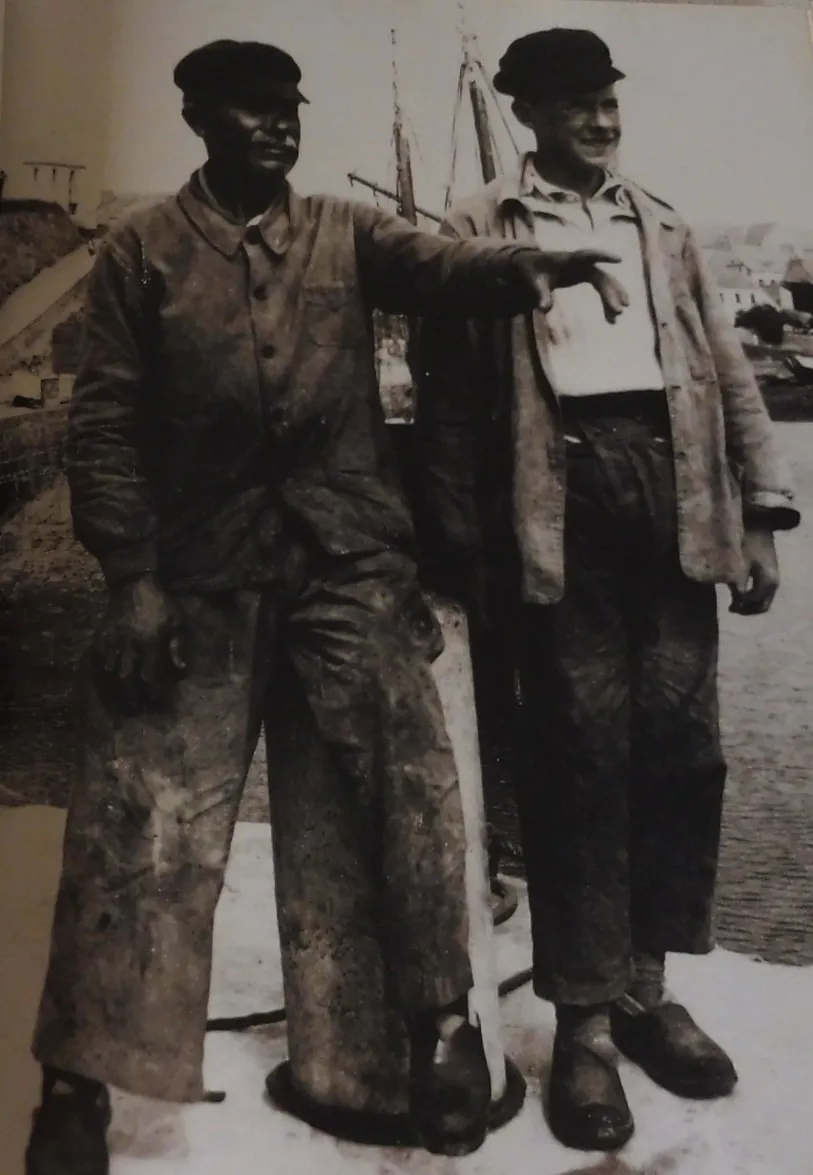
{"x":659,"y":235}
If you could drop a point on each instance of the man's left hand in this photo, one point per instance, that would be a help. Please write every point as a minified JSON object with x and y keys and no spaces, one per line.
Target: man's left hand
{"x":761,"y":581}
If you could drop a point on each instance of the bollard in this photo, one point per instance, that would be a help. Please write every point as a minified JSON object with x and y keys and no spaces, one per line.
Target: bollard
{"x":347,"y":1066}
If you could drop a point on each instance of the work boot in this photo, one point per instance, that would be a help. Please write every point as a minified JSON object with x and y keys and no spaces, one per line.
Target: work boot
{"x":449,"y":1084}
{"x":68,"y":1136}
{"x":587,"y":1106}
{"x":671,"y":1049}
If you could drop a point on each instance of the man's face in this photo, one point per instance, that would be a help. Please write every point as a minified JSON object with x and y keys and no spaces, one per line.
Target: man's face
{"x":258,"y":137}
{"x":584,"y":130}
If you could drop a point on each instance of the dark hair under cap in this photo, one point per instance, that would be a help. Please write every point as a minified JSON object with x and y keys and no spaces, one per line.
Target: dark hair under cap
{"x":238,"y":69}
{"x":555,"y":63}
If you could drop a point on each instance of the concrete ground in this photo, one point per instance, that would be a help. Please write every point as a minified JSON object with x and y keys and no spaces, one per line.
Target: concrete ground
{"x":760,"y":1012}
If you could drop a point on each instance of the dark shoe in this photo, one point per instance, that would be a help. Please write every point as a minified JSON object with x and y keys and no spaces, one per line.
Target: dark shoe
{"x":587,"y":1106}
{"x":69,"y":1132}
{"x":449,"y":1089}
{"x":667,"y":1044}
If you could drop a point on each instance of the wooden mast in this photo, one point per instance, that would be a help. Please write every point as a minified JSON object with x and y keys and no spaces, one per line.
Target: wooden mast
{"x":473,"y":77}
{"x":482,"y":125}
{"x":404,"y":184}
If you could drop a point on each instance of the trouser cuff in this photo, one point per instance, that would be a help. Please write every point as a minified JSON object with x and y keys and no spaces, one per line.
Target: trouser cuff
{"x":562,"y":991}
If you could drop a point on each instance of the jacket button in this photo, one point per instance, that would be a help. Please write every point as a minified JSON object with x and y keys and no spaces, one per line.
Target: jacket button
{"x":252,"y":235}
{"x":261,"y":293}
{"x":268,"y":350}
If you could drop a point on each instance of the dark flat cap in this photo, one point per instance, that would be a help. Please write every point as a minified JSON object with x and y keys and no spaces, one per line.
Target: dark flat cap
{"x":556,"y":63}
{"x":239,"y":69}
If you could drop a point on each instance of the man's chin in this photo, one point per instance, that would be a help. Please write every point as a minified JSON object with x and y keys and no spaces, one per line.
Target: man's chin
{"x":272,"y":168}
{"x":599,"y":157}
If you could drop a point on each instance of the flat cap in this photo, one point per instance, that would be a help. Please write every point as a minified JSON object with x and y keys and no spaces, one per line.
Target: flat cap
{"x":555,"y":63}
{"x":237,"y":70}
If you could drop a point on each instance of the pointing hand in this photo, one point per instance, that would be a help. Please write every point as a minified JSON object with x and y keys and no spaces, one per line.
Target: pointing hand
{"x":550,"y":271}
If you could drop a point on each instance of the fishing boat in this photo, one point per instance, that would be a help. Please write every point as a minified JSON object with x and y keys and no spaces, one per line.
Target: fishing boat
{"x":474,"y":88}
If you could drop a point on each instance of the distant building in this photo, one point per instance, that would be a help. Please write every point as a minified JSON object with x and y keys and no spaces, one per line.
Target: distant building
{"x":740,"y":288}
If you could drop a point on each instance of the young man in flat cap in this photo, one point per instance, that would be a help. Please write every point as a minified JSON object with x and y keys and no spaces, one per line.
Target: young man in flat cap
{"x":229,"y":469}
{"x":592,"y":477}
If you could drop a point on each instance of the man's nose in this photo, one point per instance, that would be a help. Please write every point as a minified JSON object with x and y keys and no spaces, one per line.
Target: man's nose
{"x":604,"y":120}
{"x":277,"y":120}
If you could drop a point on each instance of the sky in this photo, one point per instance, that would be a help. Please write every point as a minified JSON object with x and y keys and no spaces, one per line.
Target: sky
{"x":717,"y":105}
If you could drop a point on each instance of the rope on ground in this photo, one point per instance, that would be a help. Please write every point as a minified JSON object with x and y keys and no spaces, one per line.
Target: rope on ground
{"x":279,"y":1015}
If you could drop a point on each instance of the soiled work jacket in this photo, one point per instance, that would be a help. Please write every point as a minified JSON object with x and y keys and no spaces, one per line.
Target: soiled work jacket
{"x":490,"y":434}
{"x":228,"y":382}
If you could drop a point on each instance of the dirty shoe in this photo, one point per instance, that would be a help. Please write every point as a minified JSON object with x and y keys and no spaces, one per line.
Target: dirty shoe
{"x":587,"y":1106}
{"x":68,"y":1134}
{"x":667,"y":1044}
{"x":450,"y":1086}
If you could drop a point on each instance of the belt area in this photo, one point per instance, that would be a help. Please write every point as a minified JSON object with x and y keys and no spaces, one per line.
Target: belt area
{"x":646,"y":407}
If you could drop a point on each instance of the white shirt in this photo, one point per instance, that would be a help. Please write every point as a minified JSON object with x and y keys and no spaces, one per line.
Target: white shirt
{"x":588,"y":355}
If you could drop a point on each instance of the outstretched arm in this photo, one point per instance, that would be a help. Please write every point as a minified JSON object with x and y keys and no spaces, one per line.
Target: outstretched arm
{"x":405,"y":271}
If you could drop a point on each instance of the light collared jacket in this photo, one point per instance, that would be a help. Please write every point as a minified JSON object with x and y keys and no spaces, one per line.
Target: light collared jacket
{"x":228,"y":386}
{"x":489,"y":429}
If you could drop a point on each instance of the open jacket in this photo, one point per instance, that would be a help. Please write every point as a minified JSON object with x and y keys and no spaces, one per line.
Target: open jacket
{"x":228,"y":382}
{"x":489,"y":433}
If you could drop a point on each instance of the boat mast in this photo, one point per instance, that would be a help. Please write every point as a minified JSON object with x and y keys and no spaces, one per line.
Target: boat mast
{"x":404,"y":184}
{"x":482,"y":125}
{"x":473,"y":77}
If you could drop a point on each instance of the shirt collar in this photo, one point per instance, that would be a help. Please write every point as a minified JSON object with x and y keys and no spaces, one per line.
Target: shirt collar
{"x":533,"y":187}
{"x":509,"y":190}
{"x":277,"y":226}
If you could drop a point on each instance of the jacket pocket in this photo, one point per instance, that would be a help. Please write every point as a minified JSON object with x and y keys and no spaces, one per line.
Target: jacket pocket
{"x":333,"y":315}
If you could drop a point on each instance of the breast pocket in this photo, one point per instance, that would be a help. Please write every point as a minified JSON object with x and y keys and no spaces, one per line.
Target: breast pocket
{"x":333,"y":315}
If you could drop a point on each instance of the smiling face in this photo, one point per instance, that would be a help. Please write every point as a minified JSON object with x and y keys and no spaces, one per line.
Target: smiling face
{"x":257,"y":139}
{"x":578,"y":135}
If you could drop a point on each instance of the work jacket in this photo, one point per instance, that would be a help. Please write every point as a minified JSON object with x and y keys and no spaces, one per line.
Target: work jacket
{"x":228,"y":385}
{"x":489,"y":430}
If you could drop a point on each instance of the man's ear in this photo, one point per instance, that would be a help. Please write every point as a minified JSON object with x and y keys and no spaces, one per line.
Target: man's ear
{"x":193,"y":118}
{"x":522,"y":112}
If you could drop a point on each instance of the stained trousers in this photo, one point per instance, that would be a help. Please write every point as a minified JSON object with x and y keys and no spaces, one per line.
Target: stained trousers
{"x":156,"y":799}
{"x":621,"y":768}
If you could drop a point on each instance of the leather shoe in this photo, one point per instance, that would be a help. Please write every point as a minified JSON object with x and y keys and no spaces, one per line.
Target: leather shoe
{"x":449,"y":1088}
{"x":587,"y":1106}
{"x":667,"y":1044}
{"x":68,"y":1136}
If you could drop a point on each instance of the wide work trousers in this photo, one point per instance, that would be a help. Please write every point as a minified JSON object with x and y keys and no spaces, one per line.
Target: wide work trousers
{"x":156,"y":800}
{"x":621,"y":768}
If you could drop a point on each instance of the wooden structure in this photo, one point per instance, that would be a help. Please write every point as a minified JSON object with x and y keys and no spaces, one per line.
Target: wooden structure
{"x":347,"y":1067}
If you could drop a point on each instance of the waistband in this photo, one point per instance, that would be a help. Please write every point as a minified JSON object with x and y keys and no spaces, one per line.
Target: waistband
{"x":648,"y":406}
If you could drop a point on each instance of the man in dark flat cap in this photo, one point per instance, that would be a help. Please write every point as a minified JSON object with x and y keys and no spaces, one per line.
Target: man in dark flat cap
{"x":229,"y":469}
{"x":592,"y":477}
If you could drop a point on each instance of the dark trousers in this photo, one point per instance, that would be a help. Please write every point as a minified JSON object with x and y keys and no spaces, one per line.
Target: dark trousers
{"x":622,"y":772}
{"x":157,"y":795}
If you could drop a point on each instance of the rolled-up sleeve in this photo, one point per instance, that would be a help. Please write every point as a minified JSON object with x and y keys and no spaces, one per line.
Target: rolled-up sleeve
{"x":112,"y":511}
